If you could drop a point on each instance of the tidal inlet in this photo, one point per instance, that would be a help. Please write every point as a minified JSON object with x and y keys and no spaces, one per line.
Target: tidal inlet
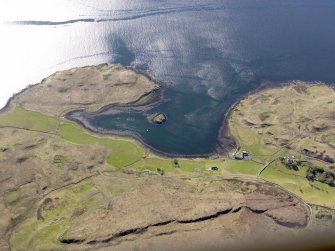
{"x":167,"y":125}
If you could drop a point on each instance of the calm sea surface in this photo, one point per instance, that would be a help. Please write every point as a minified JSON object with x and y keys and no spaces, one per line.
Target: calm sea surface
{"x":212,"y":52}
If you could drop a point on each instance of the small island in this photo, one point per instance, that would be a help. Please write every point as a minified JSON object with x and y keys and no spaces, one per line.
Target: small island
{"x":159,"y":118}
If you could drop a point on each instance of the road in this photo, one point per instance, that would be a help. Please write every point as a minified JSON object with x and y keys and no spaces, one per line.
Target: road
{"x":307,"y":206}
{"x":264,"y":167}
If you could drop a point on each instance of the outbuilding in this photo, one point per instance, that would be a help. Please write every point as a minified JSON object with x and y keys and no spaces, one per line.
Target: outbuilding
{"x":290,"y":160}
{"x":214,"y":168}
{"x":245,"y":154}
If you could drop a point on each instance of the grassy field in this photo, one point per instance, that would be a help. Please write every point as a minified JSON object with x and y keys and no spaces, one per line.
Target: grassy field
{"x":296,"y":182}
{"x":197,"y":167}
{"x":21,"y":118}
{"x":122,"y":152}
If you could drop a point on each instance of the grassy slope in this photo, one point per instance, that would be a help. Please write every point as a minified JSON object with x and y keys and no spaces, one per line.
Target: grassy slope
{"x":123,"y":152}
{"x":284,"y":117}
{"x":296,"y":182}
{"x":36,"y":234}
{"x":291,"y":116}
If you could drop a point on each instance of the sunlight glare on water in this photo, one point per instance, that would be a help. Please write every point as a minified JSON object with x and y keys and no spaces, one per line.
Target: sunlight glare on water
{"x":211,"y":51}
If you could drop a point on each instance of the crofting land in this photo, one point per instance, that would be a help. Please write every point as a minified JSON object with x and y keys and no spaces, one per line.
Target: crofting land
{"x":63,"y":187}
{"x":297,"y":119}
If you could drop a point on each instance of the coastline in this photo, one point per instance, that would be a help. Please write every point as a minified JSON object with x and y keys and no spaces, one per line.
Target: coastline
{"x":224,"y":131}
{"x":158,"y":96}
{"x":227,"y":143}
{"x":134,"y":136}
{"x":13,"y":97}
{"x":155,"y":97}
